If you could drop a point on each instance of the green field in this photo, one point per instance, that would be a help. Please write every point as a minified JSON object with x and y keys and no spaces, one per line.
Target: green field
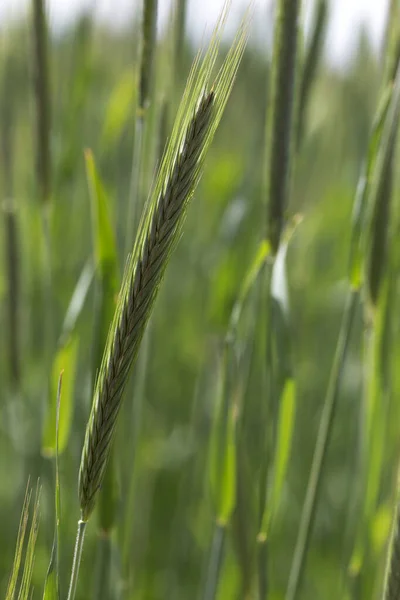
{"x":255,"y":454}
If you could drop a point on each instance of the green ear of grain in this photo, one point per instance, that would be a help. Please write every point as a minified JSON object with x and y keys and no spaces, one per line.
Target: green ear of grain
{"x":51,"y":584}
{"x":198,"y":116}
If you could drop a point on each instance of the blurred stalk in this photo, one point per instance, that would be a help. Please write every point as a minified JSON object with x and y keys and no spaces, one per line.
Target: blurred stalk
{"x":391,"y":590}
{"x":146,"y":68}
{"x":108,"y":498}
{"x":215,"y":564}
{"x":322,"y":443}
{"x":310,"y":67}
{"x":281,"y":118}
{"x":279,"y":152}
{"x":377,"y":272}
{"x":180,"y":22}
{"x":11,"y":232}
{"x":222,"y":466}
{"x":392,"y":41}
{"x":43,"y":159}
{"x":135,"y":424}
{"x":42,"y":96}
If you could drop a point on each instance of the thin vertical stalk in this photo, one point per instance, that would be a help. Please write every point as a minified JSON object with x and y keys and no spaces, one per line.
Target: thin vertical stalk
{"x":215,"y":563}
{"x":279,"y":151}
{"x":42,"y":96}
{"x":11,"y":233}
{"x":321,"y":447}
{"x":102,"y":590}
{"x":43,"y":158}
{"x":146,"y":69}
{"x":262,"y":549}
{"x":180,"y":22}
{"x":80,"y":537}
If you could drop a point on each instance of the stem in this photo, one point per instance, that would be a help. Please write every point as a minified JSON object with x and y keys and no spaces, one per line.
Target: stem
{"x":43,"y":165}
{"x":280,"y":123}
{"x":392,"y":575}
{"x":323,"y":439}
{"x":269,"y":435}
{"x":134,"y":187}
{"x":102,"y":589}
{"x":215,"y":564}
{"x":80,"y":536}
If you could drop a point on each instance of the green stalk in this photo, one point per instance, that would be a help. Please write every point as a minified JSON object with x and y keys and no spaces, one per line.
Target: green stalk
{"x":215,"y":563}
{"x":280,"y":124}
{"x":76,"y":563}
{"x":377,"y":271}
{"x":42,"y":95}
{"x":180,"y":22}
{"x":391,"y":589}
{"x":103,"y":588}
{"x":146,"y":69}
{"x":312,"y":60}
{"x":11,"y":231}
{"x":43,"y":159}
{"x":279,"y":153}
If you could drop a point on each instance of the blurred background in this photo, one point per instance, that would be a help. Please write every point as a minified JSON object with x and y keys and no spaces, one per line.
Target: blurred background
{"x":46,"y":250}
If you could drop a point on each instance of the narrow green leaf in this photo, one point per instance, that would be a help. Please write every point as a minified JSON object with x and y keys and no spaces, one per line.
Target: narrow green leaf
{"x":65,"y":360}
{"x":12,"y":583}
{"x":286,"y":422}
{"x":103,"y":232}
{"x":78,"y":300}
{"x":223,"y":451}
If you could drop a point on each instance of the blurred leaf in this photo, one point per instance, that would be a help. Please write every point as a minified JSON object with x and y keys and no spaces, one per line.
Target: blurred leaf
{"x":380,"y":528}
{"x":120,"y":107}
{"x":287,"y":413}
{"x":103,"y":233}
{"x":105,"y":257}
{"x":78,"y":299}
{"x":65,"y":360}
{"x":262,"y":253}
{"x":223,"y":451}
